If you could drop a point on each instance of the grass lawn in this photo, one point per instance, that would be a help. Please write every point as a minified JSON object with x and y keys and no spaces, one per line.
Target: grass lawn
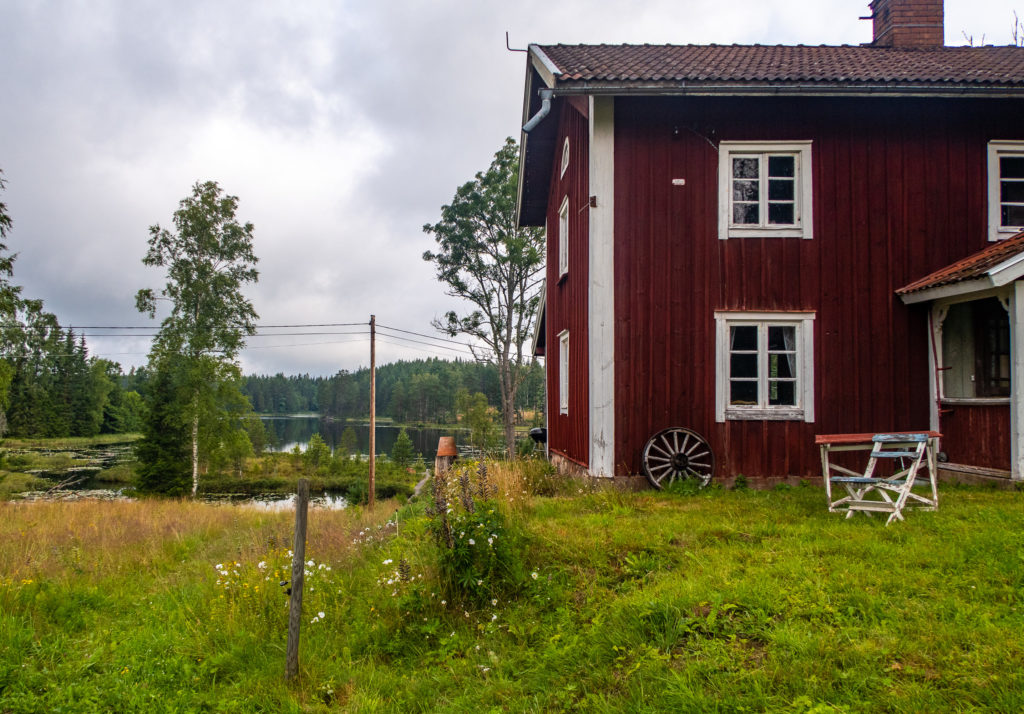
{"x":604,"y":601}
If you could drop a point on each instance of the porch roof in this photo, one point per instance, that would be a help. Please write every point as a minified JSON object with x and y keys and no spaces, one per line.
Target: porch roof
{"x":992,"y":267}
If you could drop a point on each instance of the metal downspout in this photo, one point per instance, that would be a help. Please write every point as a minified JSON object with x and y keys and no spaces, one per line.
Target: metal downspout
{"x":545,"y":109}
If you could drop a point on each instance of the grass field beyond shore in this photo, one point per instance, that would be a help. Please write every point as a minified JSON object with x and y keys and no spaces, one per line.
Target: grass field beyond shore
{"x":615,"y":602}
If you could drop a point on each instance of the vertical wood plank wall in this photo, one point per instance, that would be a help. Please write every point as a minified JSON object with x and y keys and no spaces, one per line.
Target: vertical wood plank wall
{"x":568,"y":434}
{"x":899,"y":191}
{"x":978,"y":435}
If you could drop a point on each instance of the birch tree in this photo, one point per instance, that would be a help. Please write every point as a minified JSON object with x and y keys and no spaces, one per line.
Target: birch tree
{"x":485,"y":258}
{"x":208,"y":259}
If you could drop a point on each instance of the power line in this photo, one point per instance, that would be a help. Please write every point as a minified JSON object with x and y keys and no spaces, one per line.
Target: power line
{"x":266,"y":334}
{"x":154,"y":327}
{"x":420,"y":334}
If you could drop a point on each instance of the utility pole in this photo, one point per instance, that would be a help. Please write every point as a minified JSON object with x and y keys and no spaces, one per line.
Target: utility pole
{"x":373,"y":409}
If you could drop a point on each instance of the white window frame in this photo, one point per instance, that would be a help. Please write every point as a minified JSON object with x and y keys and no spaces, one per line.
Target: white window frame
{"x":565,"y":157}
{"x":563,"y":238}
{"x":803,"y":214}
{"x":563,"y":372}
{"x":996,"y":150}
{"x":803,"y":410}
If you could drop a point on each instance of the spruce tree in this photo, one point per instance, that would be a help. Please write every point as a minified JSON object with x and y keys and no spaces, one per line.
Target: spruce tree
{"x":163,"y":451}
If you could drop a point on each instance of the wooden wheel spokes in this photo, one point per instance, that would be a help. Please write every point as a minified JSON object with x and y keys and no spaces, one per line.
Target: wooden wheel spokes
{"x":675,"y":454}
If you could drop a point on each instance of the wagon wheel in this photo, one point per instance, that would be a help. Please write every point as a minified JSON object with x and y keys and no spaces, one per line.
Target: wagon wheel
{"x":676,"y":454}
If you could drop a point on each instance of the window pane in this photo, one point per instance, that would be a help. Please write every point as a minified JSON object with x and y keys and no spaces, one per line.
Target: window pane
{"x":781,"y":166}
{"x":1012,"y":216}
{"x":783,"y":365}
{"x":781,"y":189}
{"x":745,"y":168}
{"x":743,"y":337}
{"x":1011,"y":166}
{"x":782,"y":394}
{"x":744,"y":190}
{"x":743,"y":366}
{"x":781,"y":214}
{"x":1011,"y":191}
{"x":743,"y":393}
{"x":781,"y":337}
{"x":745,"y":213}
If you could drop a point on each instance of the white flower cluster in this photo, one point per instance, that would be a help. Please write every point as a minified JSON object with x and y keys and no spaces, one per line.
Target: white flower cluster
{"x":371,"y":533}
{"x":225,"y":572}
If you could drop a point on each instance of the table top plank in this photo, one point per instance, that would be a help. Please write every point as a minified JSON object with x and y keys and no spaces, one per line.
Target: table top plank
{"x":835,"y":439}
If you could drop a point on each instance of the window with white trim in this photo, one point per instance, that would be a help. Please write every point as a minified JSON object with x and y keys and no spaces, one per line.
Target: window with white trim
{"x":563,"y":372}
{"x":765,"y":365}
{"x":565,"y":157}
{"x":1005,"y":189}
{"x":764,"y":189}
{"x":563,"y":238}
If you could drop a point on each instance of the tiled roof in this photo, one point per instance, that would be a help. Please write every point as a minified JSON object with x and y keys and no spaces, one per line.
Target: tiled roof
{"x":845,"y":64}
{"x":971,"y":267}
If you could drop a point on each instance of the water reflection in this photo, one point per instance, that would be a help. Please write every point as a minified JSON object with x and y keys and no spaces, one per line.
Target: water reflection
{"x":278,"y":502}
{"x":289,"y":431}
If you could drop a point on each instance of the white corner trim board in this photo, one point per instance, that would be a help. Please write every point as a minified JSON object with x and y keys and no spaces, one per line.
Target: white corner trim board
{"x":601,"y":287}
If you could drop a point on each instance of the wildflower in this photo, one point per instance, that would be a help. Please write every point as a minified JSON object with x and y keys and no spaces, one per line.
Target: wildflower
{"x":219,"y":566}
{"x":310,"y":563}
{"x":388,"y":561}
{"x":479,"y":582}
{"x":262,"y":565}
{"x":321,"y":615}
{"x":533,"y":575}
{"x":472,"y":542}
{"x":494,"y":617}
{"x":494,"y":602}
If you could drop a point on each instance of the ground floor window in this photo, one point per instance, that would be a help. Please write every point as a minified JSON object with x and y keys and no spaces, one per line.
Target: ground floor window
{"x":764,"y":365}
{"x":563,"y":372}
{"x":976,"y":350}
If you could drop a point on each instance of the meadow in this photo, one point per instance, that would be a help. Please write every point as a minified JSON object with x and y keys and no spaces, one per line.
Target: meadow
{"x":523,"y":593}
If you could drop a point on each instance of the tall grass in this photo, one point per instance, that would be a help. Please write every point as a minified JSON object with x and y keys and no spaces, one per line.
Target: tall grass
{"x":715,"y":601}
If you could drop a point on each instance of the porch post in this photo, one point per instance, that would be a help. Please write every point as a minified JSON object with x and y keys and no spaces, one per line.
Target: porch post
{"x":934,"y":327}
{"x":1017,"y":382}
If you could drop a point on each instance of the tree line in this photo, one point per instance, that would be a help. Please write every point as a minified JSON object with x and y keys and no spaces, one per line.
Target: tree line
{"x":408,"y":391}
{"x":49,"y":386}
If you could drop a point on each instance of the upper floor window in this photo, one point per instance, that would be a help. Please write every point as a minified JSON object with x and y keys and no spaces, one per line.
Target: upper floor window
{"x":765,"y":365}
{"x":563,"y":238}
{"x":764,"y":189}
{"x":565,"y":157}
{"x":1005,"y":189}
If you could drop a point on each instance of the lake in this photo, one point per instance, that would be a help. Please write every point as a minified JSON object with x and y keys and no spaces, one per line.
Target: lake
{"x":291,"y":430}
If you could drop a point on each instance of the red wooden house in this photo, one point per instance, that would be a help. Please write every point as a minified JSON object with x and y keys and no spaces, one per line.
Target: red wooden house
{"x":764,"y":243}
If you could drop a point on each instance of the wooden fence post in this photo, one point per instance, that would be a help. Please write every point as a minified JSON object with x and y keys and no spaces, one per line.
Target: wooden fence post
{"x":446,"y":454}
{"x":298,"y":577}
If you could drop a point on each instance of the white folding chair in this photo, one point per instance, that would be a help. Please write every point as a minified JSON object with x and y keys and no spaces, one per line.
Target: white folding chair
{"x":889,"y":494}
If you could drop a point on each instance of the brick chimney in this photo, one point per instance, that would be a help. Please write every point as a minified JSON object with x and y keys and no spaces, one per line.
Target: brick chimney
{"x":907,"y":23}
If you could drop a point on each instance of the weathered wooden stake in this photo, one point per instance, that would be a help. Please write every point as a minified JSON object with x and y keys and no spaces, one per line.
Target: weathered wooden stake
{"x":446,"y":453}
{"x":373,"y":410}
{"x":298,"y":577}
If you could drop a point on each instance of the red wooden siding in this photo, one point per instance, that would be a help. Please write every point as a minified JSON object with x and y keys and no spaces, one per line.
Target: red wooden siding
{"x":978,"y":435}
{"x":899,"y":190}
{"x":568,"y":434}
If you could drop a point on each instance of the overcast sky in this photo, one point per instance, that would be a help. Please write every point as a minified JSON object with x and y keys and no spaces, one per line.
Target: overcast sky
{"x":342,"y":127}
